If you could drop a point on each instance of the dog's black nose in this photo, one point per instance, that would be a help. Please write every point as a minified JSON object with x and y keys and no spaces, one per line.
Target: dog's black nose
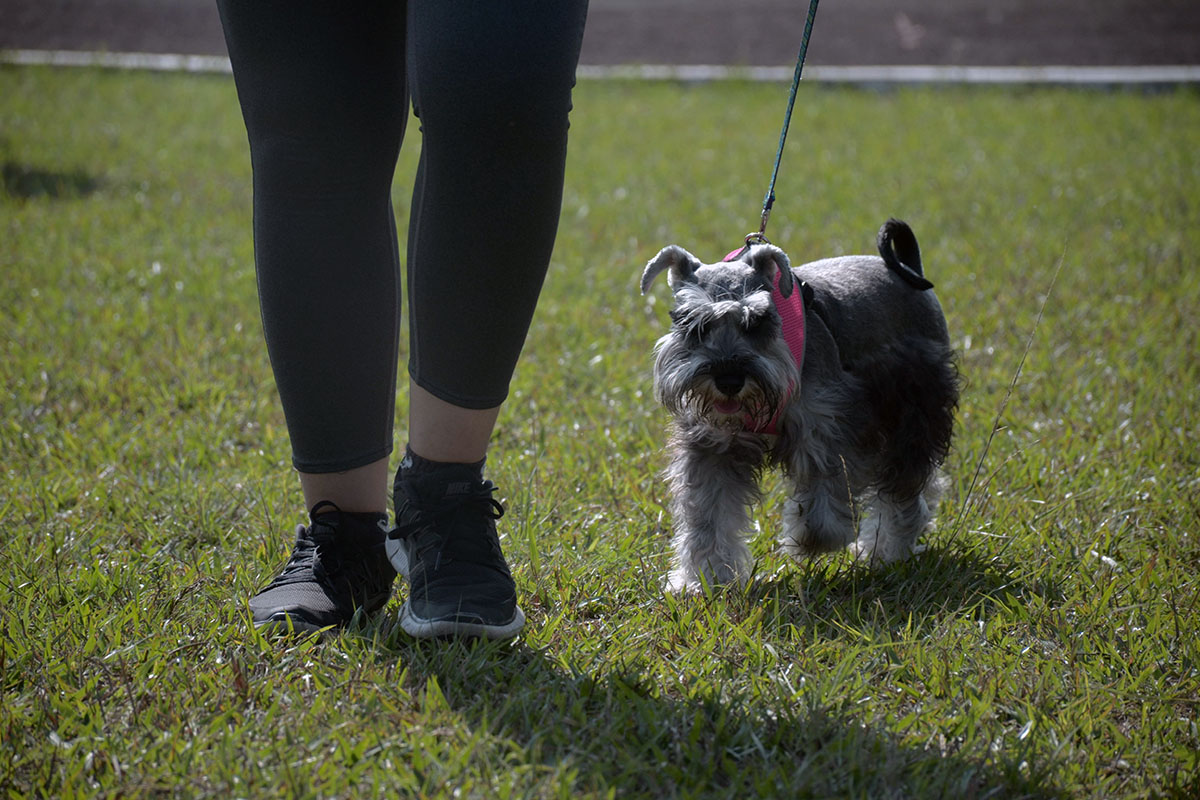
{"x":729,"y":383}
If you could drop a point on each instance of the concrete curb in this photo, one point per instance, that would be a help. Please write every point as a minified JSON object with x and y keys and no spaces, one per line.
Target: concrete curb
{"x":155,"y":62}
{"x":855,"y":75}
{"x":930,"y":74}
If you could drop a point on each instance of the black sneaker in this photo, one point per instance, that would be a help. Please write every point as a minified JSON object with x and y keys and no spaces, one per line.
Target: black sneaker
{"x":445,"y":543}
{"x":338,"y":565}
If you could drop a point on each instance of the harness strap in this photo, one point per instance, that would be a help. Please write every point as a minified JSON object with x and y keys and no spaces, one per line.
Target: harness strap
{"x":791,"y":314}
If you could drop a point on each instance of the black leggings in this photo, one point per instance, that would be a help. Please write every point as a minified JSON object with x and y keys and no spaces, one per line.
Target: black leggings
{"x":324,"y":89}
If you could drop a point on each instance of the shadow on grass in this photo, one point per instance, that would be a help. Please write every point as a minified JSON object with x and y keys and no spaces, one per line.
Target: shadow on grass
{"x":922,"y":591}
{"x":618,"y":731}
{"x":24,"y":181}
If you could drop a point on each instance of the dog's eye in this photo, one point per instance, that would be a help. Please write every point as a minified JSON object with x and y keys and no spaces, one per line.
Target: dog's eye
{"x":760,"y":325}
{"x":688,"y":323}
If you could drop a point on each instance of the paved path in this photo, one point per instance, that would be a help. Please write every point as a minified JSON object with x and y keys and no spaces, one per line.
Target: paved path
{"x":728,"y":32}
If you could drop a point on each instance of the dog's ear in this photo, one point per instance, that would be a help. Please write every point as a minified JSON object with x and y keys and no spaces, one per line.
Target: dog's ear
{"x":769,"y":261}
{"x":680,"y":262}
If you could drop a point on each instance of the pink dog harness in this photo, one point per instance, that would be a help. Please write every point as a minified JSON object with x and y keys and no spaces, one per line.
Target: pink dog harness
{"x":791,"y":315}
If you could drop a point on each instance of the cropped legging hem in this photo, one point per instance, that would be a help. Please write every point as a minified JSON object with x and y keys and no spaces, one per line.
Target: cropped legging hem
{"x":472,"y":402}
{"x":320,"y":467}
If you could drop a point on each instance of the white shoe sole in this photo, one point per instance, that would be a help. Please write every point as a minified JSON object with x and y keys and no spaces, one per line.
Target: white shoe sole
{"x":281,"y":624}
{"x":420,"y":628}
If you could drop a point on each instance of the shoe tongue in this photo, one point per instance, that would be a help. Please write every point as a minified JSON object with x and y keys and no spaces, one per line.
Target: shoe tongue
{"x":445,"y":484}
{"x":455,"y":489}
{"x":347,"y":527}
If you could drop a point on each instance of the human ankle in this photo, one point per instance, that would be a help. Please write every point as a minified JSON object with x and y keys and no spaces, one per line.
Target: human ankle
{"x":414,"y":464}
{"x":358,"y":490}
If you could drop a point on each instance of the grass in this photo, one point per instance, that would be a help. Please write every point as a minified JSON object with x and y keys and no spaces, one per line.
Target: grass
{"x":1045,"y":646}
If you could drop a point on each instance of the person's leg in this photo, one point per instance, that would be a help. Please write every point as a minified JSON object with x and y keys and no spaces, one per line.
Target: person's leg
{"x":491,"y":85}
{"x":442,"y":431}
{"x":323,"y":93}
{"x":361,"y":489}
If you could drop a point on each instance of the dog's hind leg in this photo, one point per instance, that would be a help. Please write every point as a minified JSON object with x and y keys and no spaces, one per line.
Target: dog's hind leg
{"x":711,"y":514}
{"x":914,"y":392}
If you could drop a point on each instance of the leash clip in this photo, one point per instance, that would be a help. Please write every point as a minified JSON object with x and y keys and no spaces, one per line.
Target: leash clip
{"x":758,"y":237}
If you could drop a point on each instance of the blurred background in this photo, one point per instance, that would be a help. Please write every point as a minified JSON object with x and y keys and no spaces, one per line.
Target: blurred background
{"x":721,"y":32}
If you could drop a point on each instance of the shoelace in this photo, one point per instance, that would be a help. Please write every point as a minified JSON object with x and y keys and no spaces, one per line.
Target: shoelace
{"x":311,"y":555}
{"x":447,"y":510}
{"x":318,"y":554}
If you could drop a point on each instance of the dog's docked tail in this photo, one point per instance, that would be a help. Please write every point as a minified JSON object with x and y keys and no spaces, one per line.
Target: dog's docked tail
{"x":898,"y":246}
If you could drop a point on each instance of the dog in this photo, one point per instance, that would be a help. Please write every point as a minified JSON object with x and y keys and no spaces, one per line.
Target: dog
{"x":839,"y":371}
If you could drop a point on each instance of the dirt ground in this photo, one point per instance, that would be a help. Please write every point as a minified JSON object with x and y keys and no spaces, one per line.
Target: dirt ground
{"x":730,"y":32}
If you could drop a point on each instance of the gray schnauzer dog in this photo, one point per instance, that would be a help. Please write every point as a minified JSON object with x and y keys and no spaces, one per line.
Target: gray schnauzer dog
{"x":839,"y":371}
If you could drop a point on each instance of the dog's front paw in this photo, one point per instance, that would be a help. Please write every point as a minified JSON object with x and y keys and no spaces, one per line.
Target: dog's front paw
{"x":891,"y":532}
{"x":797,"y":550}
{"x":872,"y":550}
{"x":808,"y":535}
{"x":686,"y":580}
{"x":683,"y":582}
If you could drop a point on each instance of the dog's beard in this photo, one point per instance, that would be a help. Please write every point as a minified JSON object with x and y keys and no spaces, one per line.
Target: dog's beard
{"x":683,"y":383}
{"x":753,"y":408}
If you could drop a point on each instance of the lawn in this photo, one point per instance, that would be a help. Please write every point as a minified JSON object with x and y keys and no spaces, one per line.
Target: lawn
{"x":1044,"y":646}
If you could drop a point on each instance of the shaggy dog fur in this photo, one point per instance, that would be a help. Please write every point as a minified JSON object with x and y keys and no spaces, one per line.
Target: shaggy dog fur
{"x":862,"y":425}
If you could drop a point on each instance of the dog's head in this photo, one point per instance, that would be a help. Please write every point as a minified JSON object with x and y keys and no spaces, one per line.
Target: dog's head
{"x":724,"y":360}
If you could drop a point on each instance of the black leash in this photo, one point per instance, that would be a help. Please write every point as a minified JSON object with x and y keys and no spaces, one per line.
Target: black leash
{"x":769,"y":200}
